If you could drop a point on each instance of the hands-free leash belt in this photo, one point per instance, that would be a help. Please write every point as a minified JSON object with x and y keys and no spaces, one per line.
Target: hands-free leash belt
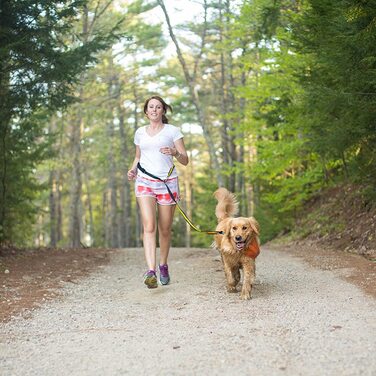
{"x":173,"y":198}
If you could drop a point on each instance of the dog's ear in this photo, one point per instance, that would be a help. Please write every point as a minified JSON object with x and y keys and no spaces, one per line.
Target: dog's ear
{"x":228,"y":228}
{"x":254,"y":225}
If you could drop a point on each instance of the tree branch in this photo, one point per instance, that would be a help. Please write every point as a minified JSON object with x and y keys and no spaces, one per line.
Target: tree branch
{"x":203,"y":41}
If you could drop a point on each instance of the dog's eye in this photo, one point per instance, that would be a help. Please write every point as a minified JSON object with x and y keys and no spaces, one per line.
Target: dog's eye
{"x":245,"y":227}
{"x":234,"y":228}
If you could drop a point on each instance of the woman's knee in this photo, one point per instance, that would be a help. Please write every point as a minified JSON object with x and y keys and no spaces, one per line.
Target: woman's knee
{"x":149,"y":228}
{"x":164,"y":231}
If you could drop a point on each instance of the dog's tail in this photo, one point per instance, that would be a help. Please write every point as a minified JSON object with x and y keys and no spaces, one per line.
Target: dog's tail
{"x":227,"y":204}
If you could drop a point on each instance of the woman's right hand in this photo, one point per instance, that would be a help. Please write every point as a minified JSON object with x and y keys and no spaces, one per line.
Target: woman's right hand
{"x":132,"y":174}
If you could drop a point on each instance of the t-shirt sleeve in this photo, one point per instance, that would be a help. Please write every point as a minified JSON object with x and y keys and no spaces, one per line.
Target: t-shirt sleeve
{"x":137,"y":137}
{"x":177,"y":134}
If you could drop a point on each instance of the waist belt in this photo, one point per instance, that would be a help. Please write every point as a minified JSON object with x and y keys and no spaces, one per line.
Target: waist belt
{"x":173,"y":198}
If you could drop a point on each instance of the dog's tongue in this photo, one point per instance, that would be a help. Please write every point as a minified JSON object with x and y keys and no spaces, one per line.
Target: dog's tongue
{"x":240,"y":245}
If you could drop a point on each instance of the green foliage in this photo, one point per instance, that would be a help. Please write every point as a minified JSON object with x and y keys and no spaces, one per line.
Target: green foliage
{"x":112,"y":94}
{"x":204,"y":208}
{"x":288,"y":89}
{"x":272,"y":223}
{"x":340,"y":83}
{"x":310,"y":101}
{"x":319,"y":225}
{"x":40,"y":60}
{"x":20,"y":185}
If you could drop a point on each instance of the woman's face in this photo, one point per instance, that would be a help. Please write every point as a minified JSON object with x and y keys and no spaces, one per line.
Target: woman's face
{"x":154,"y":110}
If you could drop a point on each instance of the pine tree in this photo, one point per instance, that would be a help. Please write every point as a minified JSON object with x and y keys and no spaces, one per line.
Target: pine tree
{"x":38,"y":66}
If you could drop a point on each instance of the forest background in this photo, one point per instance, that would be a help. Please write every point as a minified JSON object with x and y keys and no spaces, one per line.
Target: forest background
{"x":276,"y":100}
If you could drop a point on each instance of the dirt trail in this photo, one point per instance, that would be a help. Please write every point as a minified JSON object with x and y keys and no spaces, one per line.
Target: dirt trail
{"x":301,"y":321}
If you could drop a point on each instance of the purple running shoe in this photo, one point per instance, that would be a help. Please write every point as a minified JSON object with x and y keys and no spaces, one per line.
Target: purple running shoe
{"x":150,"y":279}
{"x":164,"y":277}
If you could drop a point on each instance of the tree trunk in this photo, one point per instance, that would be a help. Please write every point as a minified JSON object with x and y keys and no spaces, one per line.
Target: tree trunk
{"x":59,"y":211}
{"x":59,"y":185}
{"x":53,"y":214}
{"x":138,"y":231}
{"x":125,"y":223}
{"x":223,"y":97}
{"x":4,"y":129}
{"x":240,"y":181}
{"x":195,"y":99}
{"x":112,"y":185}
{"x":231,"y":106}
{"x":106,"y":219}
{"x":138,"y":227}
{"x":254,"y":190}
{"x":90,"y":208}
{"x":75,"y":220}
{"x":53,"y":194}
{"x":188,"y":200}
{"x":5,"y":119}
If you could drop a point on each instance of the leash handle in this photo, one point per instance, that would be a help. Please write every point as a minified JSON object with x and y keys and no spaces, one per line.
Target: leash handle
{"x":173,"y":198}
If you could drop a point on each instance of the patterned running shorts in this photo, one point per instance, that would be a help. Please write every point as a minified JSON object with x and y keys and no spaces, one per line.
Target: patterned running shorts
{"x":157,"y":189}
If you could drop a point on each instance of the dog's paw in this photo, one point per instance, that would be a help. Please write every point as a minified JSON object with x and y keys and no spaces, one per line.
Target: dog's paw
{"x":231,"y":289}
{"x":245,"y":296}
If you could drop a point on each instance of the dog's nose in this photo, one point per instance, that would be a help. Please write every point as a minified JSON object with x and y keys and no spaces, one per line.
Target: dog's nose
{"x":238,"y":238}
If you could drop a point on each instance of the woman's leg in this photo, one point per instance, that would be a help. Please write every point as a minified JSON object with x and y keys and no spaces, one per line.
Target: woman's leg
{"x":147,"y":208}
{"x":165,"y":216}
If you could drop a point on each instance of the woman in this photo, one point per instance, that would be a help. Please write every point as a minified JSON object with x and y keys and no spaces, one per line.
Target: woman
{"x":156,"y":145}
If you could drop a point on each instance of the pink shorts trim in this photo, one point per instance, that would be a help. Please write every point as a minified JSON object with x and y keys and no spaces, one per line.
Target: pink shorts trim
{"x":145,"y":187}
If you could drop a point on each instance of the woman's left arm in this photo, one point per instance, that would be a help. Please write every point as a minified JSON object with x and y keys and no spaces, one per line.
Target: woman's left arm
{"x":180,"y":153}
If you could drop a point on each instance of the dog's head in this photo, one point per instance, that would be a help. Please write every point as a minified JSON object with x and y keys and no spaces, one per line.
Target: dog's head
{"x":240,"y":231}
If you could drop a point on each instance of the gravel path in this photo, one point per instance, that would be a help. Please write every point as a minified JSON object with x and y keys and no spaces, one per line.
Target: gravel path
{"x":301,"y":321}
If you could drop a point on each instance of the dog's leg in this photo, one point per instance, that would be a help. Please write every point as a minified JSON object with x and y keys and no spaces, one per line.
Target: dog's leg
{"x":237,"y":275}
{"x":248,"y":279}
{"x":231,"y":281}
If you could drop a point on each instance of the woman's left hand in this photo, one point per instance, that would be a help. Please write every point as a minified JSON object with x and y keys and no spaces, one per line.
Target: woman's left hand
{"x":168,"y":151}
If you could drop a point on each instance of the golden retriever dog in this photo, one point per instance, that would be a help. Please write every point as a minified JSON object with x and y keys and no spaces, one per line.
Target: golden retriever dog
{"x":238,"y":243}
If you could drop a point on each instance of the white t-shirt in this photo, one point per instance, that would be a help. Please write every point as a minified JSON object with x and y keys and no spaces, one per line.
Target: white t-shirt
{"x":152,"y":160}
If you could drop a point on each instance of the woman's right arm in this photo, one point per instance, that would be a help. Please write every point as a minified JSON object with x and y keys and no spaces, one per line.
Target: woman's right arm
{"x":132,"y":173}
